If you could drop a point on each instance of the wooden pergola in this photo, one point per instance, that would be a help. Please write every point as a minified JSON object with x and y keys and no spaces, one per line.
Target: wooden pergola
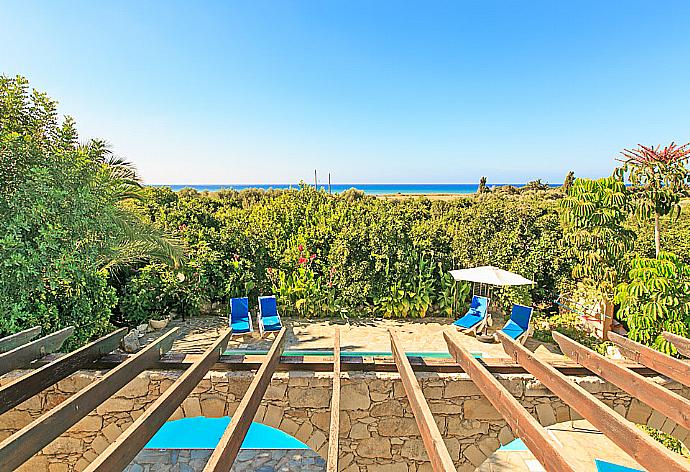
{"x":18,"y":351}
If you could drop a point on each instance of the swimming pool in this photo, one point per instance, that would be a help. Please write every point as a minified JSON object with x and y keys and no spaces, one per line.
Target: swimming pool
{"x":204,"y":433}
{"x":307,"y":353}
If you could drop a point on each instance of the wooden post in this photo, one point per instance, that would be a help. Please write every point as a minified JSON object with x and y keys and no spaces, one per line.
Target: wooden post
{"x":536,"y":438}
{"x":229,"y":445}
{"x":26,"y":442}
{"x":431,"y":436}
{"x":334,"y":432}
{"x":120,"y":453}
{"x":635,"y":442}
{"x":669,"y":366}
{"x":662,"y":400}
{"x":679,"y":342}
{"x":329,"y":183}
{"x":15,"y":340}
{"x":316,"y":182}
{"x":23,"y":355}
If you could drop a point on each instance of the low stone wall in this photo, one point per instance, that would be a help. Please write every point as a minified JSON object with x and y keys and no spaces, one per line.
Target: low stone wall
{"x":194,"y":460}
{"x":377,"y":429}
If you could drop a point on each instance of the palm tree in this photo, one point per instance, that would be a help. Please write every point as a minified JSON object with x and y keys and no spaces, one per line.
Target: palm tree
{"x":134,"y":240}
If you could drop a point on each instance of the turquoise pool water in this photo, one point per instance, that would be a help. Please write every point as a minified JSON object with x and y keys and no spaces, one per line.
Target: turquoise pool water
{"x":306,"y":353}
{"x":514,"y":445}
{"x":204,"y":433}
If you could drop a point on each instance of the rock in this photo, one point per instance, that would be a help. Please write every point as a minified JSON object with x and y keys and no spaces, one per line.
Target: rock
{"x":158,"y":324}
{"x":142,"y":329}
{"x":130,"y":343}
{"x":375,"y":448}
{"x":396,"y":427}
{"x":355,"y":396}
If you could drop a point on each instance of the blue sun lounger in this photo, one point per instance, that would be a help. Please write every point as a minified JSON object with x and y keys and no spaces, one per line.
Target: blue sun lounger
{"x":517,"y":326}
{"x":240,"y":320}
{"x":268,"y":319}
{"x":603,"y":466}
{"x":475,"y":318}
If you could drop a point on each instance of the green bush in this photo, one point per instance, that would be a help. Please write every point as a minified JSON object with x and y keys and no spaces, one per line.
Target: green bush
{"x":371,"y":256}
{"x":155,"y":291}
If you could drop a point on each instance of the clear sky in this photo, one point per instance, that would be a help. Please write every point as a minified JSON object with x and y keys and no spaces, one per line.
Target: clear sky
{"x":371,"y":91}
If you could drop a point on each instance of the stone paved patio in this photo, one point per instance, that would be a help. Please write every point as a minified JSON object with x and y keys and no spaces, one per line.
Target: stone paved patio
{"x":577,"y":436}
{"x":417,"y":335}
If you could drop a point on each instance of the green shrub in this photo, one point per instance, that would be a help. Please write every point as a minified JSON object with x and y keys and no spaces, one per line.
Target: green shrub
{"x":155,"y":291}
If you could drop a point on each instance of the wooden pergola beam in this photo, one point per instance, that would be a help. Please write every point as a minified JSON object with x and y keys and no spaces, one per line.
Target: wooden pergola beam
{"x":26,"y":442}
{"x":679,"y":342}
{"x":635,"y":442}
{"x":25,"y":387}
{"x":534,"y":435}
{"x":671,"y":367}
{"x":15,"y":340}
{"x":125,"y":448}
{"x":431,"y":437}
{"x":229,"y":445}
{"x":334,"y":432}
{"x":662,"y":400}
{"x":22,"y":355}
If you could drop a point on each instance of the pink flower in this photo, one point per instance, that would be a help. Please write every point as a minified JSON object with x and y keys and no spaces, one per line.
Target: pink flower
{"x":269,"y":270}
{"x":300,"y":247}
{"x":312,"y":257}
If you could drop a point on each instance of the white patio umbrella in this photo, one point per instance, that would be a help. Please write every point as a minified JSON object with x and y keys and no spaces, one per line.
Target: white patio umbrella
{"x":490,"y":275}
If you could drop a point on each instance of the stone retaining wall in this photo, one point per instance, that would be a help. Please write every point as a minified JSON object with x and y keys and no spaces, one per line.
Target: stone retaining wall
{"x":377,"y":429}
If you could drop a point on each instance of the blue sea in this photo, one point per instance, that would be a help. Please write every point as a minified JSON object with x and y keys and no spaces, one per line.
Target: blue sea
{"x":371,"y":189}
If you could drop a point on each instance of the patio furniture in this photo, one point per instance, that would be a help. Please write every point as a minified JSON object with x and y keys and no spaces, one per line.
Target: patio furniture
{"x":518,"y":326}
{"x":475,"y":318}
{"x":240,"y":319}
{"x":268,"y":318}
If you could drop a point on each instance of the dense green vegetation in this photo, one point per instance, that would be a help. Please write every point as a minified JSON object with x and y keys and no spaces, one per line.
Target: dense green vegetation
{"x":64,"y":229}
{"x":354,"y":255}
{"x":83,"y":243}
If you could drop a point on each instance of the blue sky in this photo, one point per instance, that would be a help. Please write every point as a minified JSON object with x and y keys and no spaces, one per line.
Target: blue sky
{"x":373,"y":92}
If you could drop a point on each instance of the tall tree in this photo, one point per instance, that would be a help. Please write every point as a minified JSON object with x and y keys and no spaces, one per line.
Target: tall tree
{"x":659,"y":177}
{"x":592,"y":214}
{"x":63,"y":219}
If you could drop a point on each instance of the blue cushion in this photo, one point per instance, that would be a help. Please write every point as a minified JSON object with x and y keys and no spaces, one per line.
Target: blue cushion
{"x":271,"y":323}
{"x":239,"y":315}
{"x":521,"y":316}
{"x":513,"y":330}
{"x":239,"y":308}
{"x":479,"y":303}
{"x":268,"y":306}
{"x":603,"y":466}
{"x":469,"y":320}
{"x":240,"y":326}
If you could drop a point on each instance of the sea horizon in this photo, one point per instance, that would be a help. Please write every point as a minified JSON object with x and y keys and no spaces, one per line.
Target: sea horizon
{"x":370,"y":189}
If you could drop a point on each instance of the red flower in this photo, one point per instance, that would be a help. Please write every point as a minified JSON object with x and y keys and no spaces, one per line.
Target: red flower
{"x":312,"y":257}
{"x":302,"y":260}
{"x":300,"y":247}
{"x":269,"y":270}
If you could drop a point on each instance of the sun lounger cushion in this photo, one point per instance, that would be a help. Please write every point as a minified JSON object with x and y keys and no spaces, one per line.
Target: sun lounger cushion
{"x":469,"y":320}
{"x":475,"y":314}
{"x":271,"y":323}
{"x":521,"y":315}
{"x":268,"y":306}
{"x":239,"y":315}
{"x":513,"y":330}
